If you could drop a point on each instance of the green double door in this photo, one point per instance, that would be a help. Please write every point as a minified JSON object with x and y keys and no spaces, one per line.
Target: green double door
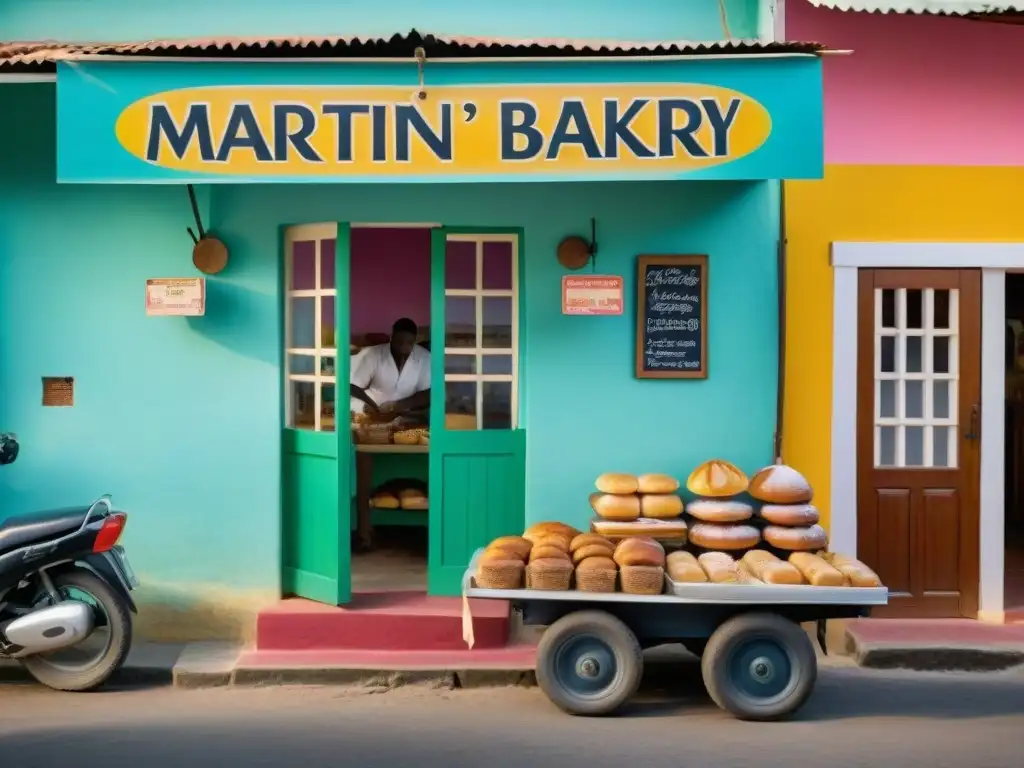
{"x":477,"y":450}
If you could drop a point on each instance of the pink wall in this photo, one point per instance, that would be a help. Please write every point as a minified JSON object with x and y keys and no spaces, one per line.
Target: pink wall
{"x":917,"y":90}
{"x":390,"y":278}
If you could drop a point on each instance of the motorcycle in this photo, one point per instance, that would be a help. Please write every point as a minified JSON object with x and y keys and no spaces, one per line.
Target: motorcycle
{"x":65,"y":591}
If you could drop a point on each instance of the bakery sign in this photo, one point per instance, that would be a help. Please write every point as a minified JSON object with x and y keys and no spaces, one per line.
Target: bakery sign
{"x":719,"y":121}
{"x":181,"y":296}
{"x":592,"y":295}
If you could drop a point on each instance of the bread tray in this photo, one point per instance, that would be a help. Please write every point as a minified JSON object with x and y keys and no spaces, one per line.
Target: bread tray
{"x":676,"y":593}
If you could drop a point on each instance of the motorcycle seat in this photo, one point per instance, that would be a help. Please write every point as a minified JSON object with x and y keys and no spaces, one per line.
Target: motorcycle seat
{"x":22,"y":530}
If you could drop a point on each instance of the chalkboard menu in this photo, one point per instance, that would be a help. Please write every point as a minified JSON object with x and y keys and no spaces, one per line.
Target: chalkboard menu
{"x":672,"y":317}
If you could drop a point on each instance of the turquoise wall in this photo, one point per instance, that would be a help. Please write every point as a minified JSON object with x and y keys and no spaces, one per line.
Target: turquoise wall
{"x":180,"y":418}
{"x":154,"y":19}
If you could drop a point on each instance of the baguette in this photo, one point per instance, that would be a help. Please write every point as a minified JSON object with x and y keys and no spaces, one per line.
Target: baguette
{"x":683,"y":567}
{"x":858,"y":574}
{"x":720,"y":568}
{"x":769,"y":569}
{"x":817,"y":571}
{"x":746,"y":575}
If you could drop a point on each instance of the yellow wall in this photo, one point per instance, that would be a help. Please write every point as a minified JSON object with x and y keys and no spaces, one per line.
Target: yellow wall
{"x":869,"y":203}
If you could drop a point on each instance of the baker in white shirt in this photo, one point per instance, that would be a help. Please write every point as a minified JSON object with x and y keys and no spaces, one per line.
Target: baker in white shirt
{"x":392,"y":377}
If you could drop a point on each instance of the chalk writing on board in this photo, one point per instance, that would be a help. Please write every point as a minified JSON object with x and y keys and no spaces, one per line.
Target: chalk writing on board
{"x":671,"y":317}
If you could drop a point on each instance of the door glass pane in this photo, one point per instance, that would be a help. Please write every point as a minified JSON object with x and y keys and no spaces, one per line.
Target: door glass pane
{"x":303,"y":266}
{"x":941,"y":300}
{"x":497,"y":365}
{"x":497,"y":405}
{"x":887,"y":399}
{"x":913,"y":404}
{"x":326,"y":365}
{"x":888,"y":308}
{"x":460,"y":265}
{"x":914,"y":446}
{"x":497,"y":322}
{"x":460,"y":404}
{"x":303,"y":404}
{"x":327,"y":409}
{"x":915,"y":354}
{"x":940,"y":446}
{"x":888,"y":362}
{"x":328,"y":252}
{"x":303,"y":322}
{"x":498,"y":266}
{"x":327,"y":304}
{"x":302,"y":364}
{"x":940,"y":399}
{"x":887,"y":446}
{"x":465,"y":364}
{"x":460,"y":321}
{"x":915,"y":308}
{"x":940,"y":354}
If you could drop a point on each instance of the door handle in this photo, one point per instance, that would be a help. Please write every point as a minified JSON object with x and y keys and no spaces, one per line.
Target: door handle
{"x":972,"y":430}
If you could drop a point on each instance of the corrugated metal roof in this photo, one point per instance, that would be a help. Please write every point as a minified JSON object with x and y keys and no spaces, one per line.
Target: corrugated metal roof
{"x":941,"y":7}
{"x":41,"y":56}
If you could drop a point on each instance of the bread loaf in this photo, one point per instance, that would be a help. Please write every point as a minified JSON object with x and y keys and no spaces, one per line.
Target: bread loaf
{"x":617,"y":483}
{"x":385,"y":501}
{"x":559,"y":540}
{"x":858,"y":574}
{"x":418,"y":502}
{"x":789,"y":514}
{"x":640,"y":552}
{"x":673,"y":530}
{"x":816,"y":570}
{"x":769,"y":569}
{"x":612,"y":507}
{"x":539,"y":529}
{"x":683,"y":567}
{"x":745,"y":575}
{"x":712,"y":511}
{"x":496,"y":555}
{"x":596,"y":574}
{"x":661,"y":506}
{"x":807,"y":539}
{"x":592,"y":550}
{"x":549,"y":573}
{"x":597,"y":564}
{"x":589,"y":539}
{"x":516,"y":544}
{"x":657,"y":484}
{"x":642,"y":579}
{"x":500,"y":574}
{"x":719,"y":567}
{"x":731,"y":537}
{"x":547,"y":551}
{"x":716,"y":479}
{"x":779,"y":484}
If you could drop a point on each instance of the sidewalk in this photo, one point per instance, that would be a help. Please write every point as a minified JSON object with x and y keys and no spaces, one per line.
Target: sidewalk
{"x":936,"y":645}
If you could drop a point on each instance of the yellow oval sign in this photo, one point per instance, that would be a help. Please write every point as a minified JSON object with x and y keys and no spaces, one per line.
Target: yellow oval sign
{"x":571,"y":130}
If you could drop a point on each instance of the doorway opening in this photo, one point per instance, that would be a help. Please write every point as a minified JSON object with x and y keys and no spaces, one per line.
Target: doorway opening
{"x":1013,"y":586}
{"x":389,"y":321}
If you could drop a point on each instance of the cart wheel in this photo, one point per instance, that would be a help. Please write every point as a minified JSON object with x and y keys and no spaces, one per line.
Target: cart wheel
{"x":759,"y":666}
{"x":589,"y":663}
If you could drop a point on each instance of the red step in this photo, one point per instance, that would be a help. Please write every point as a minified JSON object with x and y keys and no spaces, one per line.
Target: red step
{"x":381,"y":621}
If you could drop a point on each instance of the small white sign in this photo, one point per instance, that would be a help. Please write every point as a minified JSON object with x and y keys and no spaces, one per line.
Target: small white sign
{"x":177,"y":296}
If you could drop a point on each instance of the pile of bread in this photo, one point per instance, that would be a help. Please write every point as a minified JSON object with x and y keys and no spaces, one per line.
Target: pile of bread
{"x":400,"y":494}
{"x":723,"y":521}
{"x":645,"y":505}
{"x":758,"y":566}
{"x":555,"y":556}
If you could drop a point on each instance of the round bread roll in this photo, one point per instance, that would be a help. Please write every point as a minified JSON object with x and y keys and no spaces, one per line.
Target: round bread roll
{"x":717,"y":479}
{"x":711,"y":511}
{"x":779,"y":484}
{"x":640,"y":552}
{"x":809,"y":539}
{"x":548,"y":552}
{"x":613,"y":507}
{"x":537,"y":530}
{"x":497,"y":554}
{"x":587,"y":539}
{"x":655,"y":483}
{"x":731,"y":537}
{"x":661,"y":506}
{"x":597,"y":564}
{"x":592,"y":550}
{"x":789,"y":514}
{"x":617,"y":483}
{"x":516,"y":544}
{"x":559,"y":540}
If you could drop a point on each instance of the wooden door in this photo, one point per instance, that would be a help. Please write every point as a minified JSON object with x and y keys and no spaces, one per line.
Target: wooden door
{"x":477,"y":449}
{"x":316,"y":456}
{"x":918,"y":406}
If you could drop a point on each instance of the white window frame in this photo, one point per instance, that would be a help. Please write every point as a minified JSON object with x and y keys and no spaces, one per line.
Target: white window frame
{"x":317,"y":233}
{"x":994,"y":260}
{"x":479,"y":293}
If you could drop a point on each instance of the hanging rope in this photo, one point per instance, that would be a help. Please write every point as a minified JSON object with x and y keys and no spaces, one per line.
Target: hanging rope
{"x":725,"y":19}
